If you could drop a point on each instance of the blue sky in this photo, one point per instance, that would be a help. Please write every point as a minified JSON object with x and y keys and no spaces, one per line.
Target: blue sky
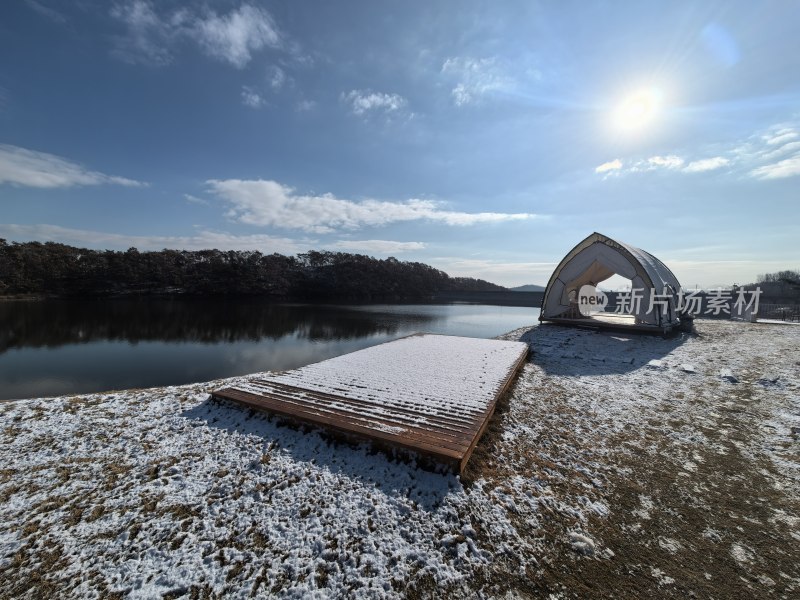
{"x":484,"y":138}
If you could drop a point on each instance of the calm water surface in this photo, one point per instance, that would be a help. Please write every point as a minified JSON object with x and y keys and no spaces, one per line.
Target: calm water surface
{"x":57,"y":347}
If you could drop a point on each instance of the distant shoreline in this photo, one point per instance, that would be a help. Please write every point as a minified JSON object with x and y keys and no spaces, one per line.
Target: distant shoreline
{"x":493,"y":298}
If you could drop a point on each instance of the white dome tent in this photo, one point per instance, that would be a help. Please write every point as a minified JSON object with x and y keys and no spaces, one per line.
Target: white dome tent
{"x":595,"y":260}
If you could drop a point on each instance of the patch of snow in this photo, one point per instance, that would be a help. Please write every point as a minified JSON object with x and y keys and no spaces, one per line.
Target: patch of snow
{"x":670,"y":545}
{"x":646,"y":507}
{"x":712,"y":534}
{"x":581,"y":543}
{"x":768,"y":379}
{"x":388,"y":428}
{"x":741,"y":554}
{"x":777,"y":322}
{"x":661,"y":577}
{"x":765,"y":580}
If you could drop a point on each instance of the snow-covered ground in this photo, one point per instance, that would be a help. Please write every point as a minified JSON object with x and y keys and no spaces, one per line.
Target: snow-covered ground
{"x":632,"y":464}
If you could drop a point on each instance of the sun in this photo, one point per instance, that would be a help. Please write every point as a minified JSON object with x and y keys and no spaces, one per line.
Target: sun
{"x":637,"y":110}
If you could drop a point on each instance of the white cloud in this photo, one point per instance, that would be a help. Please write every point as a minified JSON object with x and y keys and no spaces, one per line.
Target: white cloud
{"x":195,"y":200}
{"x":269,"y":203}
{"x":251,"y":98}
{"x":785,"y":168}
{"x":149,"y":37}
{"x":780,"y":151}
{"x":667,"y":162}
{"x":276,"y":77}
{"x":202,"y":240}
{"x":306,"y":105}
{"x":612,"y":165}
{"x":363,"y":101}
{"x":378,"y":246}
{"x":706,"y":164}
{"x":780,"y":137}
{"x":476,"y":77}
{"x":232,"y":38}
{"x":773,"y":153}
{"x":29,"y":168}
{"x":670,"y":162}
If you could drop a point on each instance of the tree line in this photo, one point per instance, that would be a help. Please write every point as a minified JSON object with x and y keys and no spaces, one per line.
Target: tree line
{"x":52,"y":269}
{"x":779,"y":287}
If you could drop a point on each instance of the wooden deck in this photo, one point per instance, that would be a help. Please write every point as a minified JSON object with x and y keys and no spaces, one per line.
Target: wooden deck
{"x":429,"y":394}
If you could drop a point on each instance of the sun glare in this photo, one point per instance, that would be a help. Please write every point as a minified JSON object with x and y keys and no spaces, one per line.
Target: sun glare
{"x":637,"y":110}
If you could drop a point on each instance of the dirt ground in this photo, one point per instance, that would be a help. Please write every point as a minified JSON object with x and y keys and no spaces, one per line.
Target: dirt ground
{"x":700,"y":484}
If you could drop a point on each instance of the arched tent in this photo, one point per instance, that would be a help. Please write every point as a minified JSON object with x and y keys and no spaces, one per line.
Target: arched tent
{"x":596,"y":259}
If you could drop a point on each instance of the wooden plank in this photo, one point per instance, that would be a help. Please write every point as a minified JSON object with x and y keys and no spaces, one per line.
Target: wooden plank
{"x":402,"y":417}
{"x":327,"y":418}
{"x":456,"y":423}
{"x":445,"y":455}
{"x":428,"y":418}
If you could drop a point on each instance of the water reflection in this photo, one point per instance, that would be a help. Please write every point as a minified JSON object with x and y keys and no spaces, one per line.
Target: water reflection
{"x":60,"y":347}
{"x":56,"y":322}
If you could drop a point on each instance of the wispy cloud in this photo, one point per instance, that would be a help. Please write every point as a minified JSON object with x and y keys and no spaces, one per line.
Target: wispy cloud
{"x":669,"y":162}
{"x":475,"y":78}
{"x":665,"y":162}
{"x":269,"y":203}
{"x":784,"y":168}
{"x":706,"y":164}
{"x":774,"y":154}
{"x":202,"y":240}
{"x":195,"y":200}
{"x":770,"y":154}
{"x":780,"y":151}
{"x":252,"y":98}
{"x":29,"y":168}
{"x":780,"y":137}
{"x":378,"y":246}
{"x":364,"y":101}
{"x":306,"y":105}
{"x":233,"y":38}
{"x":149,"y":38}
{"x":46,"y":11}
{"x":276,"y":77}
{"x":612,"y":165}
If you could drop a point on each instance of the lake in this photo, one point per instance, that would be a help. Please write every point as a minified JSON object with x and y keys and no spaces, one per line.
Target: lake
{"x":56,"y":347}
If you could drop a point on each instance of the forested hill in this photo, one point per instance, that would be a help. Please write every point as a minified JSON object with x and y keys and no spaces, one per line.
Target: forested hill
{"x":50,"y":269}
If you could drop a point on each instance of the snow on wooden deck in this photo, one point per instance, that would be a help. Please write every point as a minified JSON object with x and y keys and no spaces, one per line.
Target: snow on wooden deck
{"x":432,"y":394}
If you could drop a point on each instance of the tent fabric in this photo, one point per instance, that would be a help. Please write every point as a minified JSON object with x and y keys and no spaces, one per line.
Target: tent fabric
{"x":597,"y":258}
